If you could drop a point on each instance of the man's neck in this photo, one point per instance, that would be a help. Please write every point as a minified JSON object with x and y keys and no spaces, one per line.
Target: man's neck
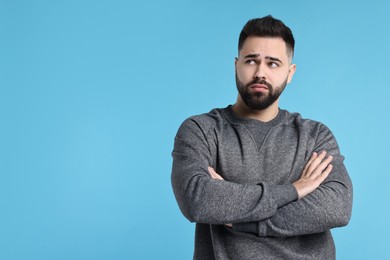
{"x":264,"y":115}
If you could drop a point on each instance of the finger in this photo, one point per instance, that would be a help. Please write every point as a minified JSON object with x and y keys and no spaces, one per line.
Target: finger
{"x":321,"y":167}
{"x":313,"y":156}
{"x":316,"y":162}
{"x":214,"y":174}
{"x":325,"y":173}
{"x":217,"y":176}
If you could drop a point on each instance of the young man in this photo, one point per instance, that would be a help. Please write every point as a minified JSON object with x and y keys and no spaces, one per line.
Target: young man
{"x":261,"y":182}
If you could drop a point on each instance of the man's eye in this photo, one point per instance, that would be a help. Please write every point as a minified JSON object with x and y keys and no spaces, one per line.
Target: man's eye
{"x":250,"y":62}
{"x":273,"y":65}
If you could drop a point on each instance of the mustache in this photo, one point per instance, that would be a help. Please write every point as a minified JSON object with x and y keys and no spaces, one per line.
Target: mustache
{"x":259,"y":81}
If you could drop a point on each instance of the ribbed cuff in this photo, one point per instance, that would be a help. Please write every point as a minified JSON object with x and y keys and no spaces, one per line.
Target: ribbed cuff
{"x":283,"y":194}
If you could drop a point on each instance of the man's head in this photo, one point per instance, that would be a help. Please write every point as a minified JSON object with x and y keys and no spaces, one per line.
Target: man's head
{"x":268,"y":27}
{"x":264,"y":64}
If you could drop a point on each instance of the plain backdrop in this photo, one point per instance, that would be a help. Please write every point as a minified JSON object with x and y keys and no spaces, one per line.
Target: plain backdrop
{"x":93,"y":92}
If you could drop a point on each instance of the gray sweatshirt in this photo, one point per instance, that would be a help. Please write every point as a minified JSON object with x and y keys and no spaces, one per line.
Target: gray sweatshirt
{"x":259,"y":162}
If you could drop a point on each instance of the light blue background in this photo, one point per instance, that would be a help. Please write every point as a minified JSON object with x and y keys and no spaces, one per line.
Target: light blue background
{"x":92,"y":94}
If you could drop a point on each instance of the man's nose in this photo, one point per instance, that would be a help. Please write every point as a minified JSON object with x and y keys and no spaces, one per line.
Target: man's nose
{"x":260,"y":72}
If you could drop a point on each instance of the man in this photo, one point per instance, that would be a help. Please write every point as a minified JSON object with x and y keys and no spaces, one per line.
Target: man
{"x":261,"y":182}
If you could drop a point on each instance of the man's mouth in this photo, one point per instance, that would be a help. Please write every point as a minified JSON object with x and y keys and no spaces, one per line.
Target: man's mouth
{"x":259,"y":87}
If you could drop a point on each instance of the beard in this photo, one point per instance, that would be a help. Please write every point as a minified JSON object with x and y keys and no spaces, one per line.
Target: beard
{"x":259,"y":100}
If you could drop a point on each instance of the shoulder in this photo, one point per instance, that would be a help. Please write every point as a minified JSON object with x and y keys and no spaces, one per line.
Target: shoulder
{"x":316,"y":129}
{"x":317,"y":133}
{"x":202,"y":122}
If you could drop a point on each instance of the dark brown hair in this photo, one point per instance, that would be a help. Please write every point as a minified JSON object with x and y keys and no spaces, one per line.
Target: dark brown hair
{"x":267,"y":27}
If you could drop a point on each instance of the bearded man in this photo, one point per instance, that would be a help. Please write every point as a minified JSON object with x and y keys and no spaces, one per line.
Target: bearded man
{"x":261,"y":182}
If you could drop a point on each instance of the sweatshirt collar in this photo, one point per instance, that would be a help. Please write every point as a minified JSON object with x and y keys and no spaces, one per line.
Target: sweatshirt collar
{"x":235,"y":119}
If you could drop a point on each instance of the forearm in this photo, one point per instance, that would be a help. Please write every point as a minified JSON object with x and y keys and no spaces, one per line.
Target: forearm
{"x":308,"y":217}
{"x":327,"y":207}
{"x":205,"y":200}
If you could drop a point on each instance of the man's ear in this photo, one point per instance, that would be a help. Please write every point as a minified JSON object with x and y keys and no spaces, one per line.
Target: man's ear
{"x":291,"y":72}
{"x":235,"y":61}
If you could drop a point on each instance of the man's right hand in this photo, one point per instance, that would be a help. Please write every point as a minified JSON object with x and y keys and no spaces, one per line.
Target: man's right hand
{"x":315,"y":172}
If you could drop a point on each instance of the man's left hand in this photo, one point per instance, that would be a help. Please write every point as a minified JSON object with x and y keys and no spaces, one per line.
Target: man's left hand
{"x":214,"y":174}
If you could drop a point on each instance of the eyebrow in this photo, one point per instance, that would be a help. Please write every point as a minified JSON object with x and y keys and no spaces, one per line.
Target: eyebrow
{"x":255,"y":55}
{"x":273,"y":59}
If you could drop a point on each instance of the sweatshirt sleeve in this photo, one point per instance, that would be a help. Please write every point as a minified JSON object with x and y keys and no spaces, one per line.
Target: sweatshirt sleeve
{"x":329,"y":206}
{"x":203,"y":199}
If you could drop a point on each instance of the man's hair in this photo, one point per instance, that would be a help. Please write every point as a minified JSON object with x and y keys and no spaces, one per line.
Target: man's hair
{"x":267,"y":27}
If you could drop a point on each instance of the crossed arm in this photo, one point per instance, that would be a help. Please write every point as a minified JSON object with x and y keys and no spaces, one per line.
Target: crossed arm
{"x":305,"y":216}
{"x":315,"y":172}
{"x":319,"y":200}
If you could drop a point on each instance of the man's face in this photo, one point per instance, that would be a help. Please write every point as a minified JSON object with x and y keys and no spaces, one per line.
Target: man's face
{"x":263,"y":69}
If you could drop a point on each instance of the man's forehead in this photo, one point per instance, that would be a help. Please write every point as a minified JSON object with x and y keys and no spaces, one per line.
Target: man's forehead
{"x":264,"y":46}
